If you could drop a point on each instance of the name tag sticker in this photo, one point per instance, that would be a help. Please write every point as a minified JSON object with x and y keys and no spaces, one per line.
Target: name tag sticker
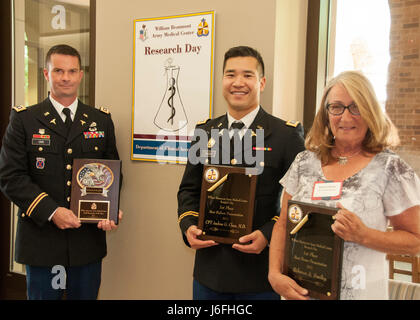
{"x":327,"y":190}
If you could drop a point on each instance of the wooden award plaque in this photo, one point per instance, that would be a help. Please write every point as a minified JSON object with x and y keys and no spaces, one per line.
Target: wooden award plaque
{"x":226,"y":203}
{"x":95,"y":189}
{"x":313,"y":252}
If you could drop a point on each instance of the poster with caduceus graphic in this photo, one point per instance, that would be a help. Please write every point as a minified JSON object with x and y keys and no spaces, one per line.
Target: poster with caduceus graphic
{"x":172,"y":84}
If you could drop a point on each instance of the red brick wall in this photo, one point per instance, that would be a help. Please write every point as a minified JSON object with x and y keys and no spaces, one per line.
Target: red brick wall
{"x":403,"y":88}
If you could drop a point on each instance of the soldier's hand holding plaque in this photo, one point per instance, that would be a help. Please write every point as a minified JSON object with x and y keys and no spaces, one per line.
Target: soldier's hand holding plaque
{"x":313,"y":252}
{"x":95,"y":189}
{"x":226,"y":203}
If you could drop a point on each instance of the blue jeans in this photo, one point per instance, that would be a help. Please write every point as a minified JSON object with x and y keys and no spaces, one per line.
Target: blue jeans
{"x":79,"y":283}
{"x":201,"y":292}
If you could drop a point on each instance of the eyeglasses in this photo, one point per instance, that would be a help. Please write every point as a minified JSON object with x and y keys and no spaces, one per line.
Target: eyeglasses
{"x":337,"y":109}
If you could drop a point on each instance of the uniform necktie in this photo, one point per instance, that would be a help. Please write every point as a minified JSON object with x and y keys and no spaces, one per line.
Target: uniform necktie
{"x":236,"y":127}
{"x":68,"y":121}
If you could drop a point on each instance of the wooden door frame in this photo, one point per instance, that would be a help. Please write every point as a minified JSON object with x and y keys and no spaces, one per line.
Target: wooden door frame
{"x":316,"y":58}
{"x":12,"y":285}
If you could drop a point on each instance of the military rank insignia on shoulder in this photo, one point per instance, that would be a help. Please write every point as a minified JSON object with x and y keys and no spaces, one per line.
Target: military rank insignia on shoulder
{"x":292,"y":123}
{"x":19,"y":108}
{"x":203,"y":122}
{"x":104,"y":110}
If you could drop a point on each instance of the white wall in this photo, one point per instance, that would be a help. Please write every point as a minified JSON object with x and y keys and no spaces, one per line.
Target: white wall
{"x":289,"y":62}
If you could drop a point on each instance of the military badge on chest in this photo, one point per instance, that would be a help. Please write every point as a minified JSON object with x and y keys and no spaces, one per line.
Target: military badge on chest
{"x":41,"y":139}
{"x":40,"y":163}
{"x":93,"y":132}
{"x":92,"y":127}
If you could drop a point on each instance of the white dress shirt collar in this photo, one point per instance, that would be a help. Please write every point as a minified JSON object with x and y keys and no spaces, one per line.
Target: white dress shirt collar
{"x":247,"y":120}
{"x":59,"y":107}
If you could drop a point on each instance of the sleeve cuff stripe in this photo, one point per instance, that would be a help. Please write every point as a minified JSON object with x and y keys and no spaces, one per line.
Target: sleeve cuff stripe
{"x":188,"y":213}
{"x":275,"y":218}
{"x":35,"y":203}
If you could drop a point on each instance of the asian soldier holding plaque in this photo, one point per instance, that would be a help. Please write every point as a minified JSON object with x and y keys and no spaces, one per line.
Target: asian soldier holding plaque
{"x":36,"y":165}
{"x":231,"y":260}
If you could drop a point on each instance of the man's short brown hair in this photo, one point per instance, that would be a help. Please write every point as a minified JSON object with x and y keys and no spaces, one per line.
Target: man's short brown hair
{"x":62,"y":49}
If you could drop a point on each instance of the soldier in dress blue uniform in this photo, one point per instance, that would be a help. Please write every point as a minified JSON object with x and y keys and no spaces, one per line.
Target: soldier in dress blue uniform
{"x":239,"y":271}
{"x":36,"y":159}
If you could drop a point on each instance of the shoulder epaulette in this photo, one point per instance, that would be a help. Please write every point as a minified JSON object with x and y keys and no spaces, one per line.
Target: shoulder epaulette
{"x":203,"y":122}
{"x":104,"y":110}
{"x":292,"y":123}
{"x":19,"y":108}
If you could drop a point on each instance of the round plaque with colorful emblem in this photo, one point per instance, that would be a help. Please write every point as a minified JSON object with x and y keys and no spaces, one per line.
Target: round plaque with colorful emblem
{"x":95,"y":175}
{"x":295,"y":213}
{"x":211,"y":175}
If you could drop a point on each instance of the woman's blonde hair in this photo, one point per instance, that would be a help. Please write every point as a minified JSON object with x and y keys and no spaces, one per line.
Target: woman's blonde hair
{"x":381,"y":132}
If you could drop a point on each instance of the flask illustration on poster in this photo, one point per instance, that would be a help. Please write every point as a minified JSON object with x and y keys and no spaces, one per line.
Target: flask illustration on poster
{"x":171,"y":115}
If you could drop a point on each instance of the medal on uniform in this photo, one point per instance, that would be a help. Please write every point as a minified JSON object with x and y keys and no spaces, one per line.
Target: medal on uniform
{"x":261,"y":149}
{"x":41,"y":139}
{"x":211,"y":143}
{"x":93,"y":135}
{"x":92,"y":127}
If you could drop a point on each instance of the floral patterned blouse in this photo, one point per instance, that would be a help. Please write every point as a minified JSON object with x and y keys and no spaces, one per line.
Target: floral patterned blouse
{"x":385,"y":187}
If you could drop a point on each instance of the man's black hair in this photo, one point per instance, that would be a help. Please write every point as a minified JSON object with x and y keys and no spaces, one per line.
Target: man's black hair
{"x":244,"y":51}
